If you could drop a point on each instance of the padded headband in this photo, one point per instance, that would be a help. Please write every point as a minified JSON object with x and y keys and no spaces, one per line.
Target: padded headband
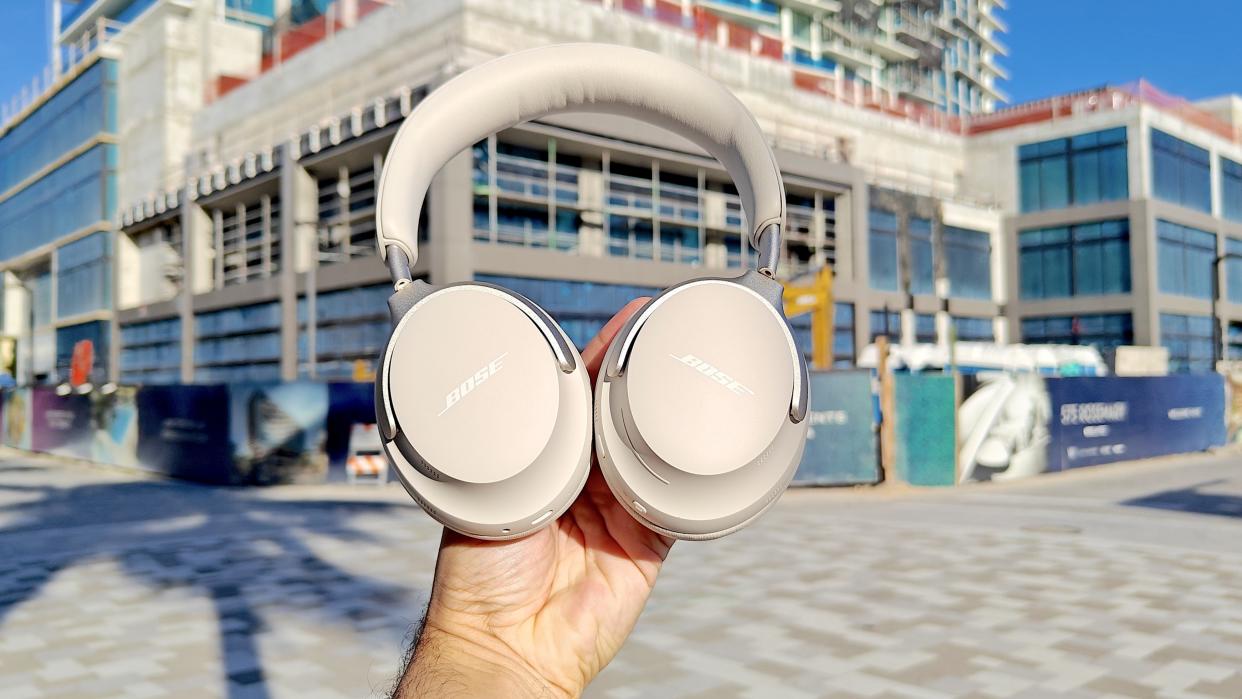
{"x":597,"y":78}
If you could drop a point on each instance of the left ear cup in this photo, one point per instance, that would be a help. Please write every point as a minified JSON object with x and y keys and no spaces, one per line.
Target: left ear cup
{"x":693,"y":422}
{"x":483,"y":426}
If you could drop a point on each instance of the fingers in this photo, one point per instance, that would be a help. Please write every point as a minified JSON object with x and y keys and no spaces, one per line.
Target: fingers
{"x":593,"y":354}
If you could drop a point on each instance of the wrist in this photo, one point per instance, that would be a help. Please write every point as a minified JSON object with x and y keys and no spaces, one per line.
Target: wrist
{"x":459,"y":660}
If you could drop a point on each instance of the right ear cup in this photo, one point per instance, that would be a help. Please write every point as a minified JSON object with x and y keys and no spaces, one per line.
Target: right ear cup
{"x":485,"y":428}
{"x":694,"y":418}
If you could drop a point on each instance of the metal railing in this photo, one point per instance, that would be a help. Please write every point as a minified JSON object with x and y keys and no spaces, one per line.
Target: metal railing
{"x":71,"y":56}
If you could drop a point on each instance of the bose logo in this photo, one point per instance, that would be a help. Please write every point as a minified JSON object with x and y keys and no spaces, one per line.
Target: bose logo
{"x":714,"y":374}
{"x":472,"y":382}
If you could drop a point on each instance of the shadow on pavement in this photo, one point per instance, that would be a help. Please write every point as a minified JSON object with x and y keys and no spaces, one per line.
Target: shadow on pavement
{"x":241,"y":552}
{"x":1193,"y":499}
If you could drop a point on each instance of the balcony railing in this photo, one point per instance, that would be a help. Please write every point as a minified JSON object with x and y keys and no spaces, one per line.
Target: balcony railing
{"x":72,"y":55}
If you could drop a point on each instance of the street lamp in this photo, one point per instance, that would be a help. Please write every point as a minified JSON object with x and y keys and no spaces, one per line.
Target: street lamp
{"x":1216,"y":336}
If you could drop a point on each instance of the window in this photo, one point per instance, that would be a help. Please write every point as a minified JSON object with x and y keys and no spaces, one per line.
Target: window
{"x":247,"y":241}
{"x":1231,"y":189}
{"x":1233,"y":270}
{"x":1189,"y":339}
{"x":886,"y":323}
{"x":1084,"y":169}
{"x":882,"y":248}
{"x":84,"y":275}
{"x":151,"y":352}
{"x":1083,"y":260}
{"x":925,"y":328}
{"x":1234,"y":339}
{"x":1180,"y":172}
{"x":1185,"y":259}
{"x":238,"y":344}
{"x":350,"y":324}
{"x":968,"y":263}
{"x":1101,"y":331}
{"x":922,"y":266}
{"x":973,"y":329}
{"x":842,"y":334}
{"x":581,"y":308}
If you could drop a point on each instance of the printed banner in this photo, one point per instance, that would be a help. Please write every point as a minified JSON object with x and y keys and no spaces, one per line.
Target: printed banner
{"x":183,"y":432}
{"x":1096,"y":420}
{"x":841,"y":441}
{"x":60,"y":424}
{"x":277,"y":431}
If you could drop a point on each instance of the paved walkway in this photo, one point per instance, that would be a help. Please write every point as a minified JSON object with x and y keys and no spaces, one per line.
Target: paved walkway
{"x":1121,"y":581}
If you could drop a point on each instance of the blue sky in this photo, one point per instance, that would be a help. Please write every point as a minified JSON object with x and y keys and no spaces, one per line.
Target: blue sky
{"x":1055,"y":46}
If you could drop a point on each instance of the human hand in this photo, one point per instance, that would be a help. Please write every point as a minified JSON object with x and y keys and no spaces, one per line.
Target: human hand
{"x":538,"y":616}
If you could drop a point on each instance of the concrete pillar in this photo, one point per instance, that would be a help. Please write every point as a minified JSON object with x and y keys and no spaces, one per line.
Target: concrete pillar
{"x":197,"y":254}
{"x":299,"y":218}
{"x":450,"y":210}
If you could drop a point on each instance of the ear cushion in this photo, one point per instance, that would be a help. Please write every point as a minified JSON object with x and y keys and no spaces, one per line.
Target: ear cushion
{"x":489,"y":435}
{"x":695,"y":436}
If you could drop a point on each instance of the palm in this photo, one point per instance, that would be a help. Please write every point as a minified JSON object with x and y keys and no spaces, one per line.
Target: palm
{"x":565,"y":598}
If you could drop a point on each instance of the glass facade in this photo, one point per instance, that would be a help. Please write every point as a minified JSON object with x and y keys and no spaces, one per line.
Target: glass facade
{"x":350,"y":325}
{"x":1189,"y":339}
{"x":968,"y":263}
{"x":238,"y":344}
{"x":1102,"y":331}
{"x":925,"y":328}
{"x":1230,"y":189}
{"x":886,"y":323}
{"x":67,"y":120}
{"x":973,"y":329}
{"x":1082,"y":260}
{"x":842,"y":335}
{"x":1180,"y":172}
{"x":581,"y":308}
{"x":1185,"y":258}
{"x":84,"y":275}
{"x":78,"y":194}
{"x":151,"y":352}
{"x":1233,"y":270}
{"x":922,"y":261}
{"x":882,"y":250}
{"x":1083,"y":169}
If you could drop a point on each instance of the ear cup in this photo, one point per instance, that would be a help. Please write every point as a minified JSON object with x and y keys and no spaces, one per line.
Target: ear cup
{"x":487,"y":432}
{"x":694,"y":434}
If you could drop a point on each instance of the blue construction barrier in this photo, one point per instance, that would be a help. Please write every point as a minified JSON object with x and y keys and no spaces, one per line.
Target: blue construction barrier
{"x":841,"y":441}
{"x":1096,"y":420}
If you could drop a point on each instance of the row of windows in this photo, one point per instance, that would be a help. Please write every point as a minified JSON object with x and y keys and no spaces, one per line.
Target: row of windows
{"x":1189,"y":340}
{"x":350,"y":325}
{"x":1103,"y":331}
{"x":966,"y":329}
{"x":75,"y":195}
{"x":967,"y":264}
{"x":1092,"y":167}
{"x":1081,"y":260}
{"x":73,"y":116}
{"x":1084,"y":169}
{"x":545,"y":198}
{"x":151,"y":352}
{"x":842,"y":334}
{"x":581,"y":308}
{"x":84,"y":275}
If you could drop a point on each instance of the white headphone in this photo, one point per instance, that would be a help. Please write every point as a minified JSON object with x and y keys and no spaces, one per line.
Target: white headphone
{"x":483,"y":403}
